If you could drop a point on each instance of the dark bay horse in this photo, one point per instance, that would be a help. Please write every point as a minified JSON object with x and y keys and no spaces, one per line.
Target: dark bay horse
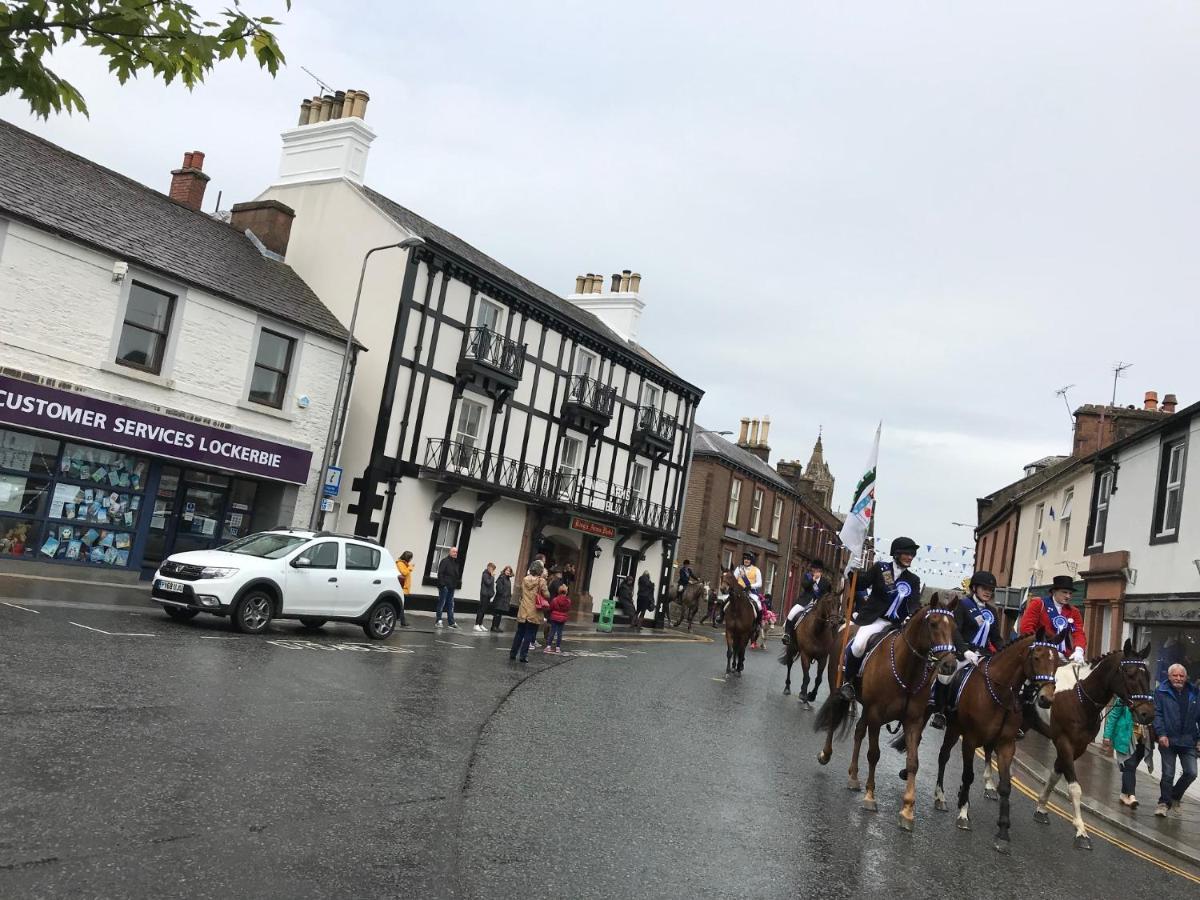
{"x":689,"y":602}
{"x":895,"y":685}
{"x":1075,"y":716}
{"x":989,"y":714}
{"x":739,"y":624}
{"x":812,"y":639}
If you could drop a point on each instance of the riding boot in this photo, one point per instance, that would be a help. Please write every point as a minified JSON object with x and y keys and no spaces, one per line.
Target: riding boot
{"x":849,"y":673}
{"x":937,"y":700}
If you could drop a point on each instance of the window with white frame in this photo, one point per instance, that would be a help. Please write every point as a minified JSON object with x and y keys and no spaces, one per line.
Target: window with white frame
{"x":489,"y":315}
{"x":570,"y":456}
{"x":1064,"y":520}
{"x":445,"y":537}
{"x":146,"y":329}
{"x":637,"y":482}
{"x":651,"y":395}
{"x":769,"y":584}
{"x":1169,"y":499}
{"x":466,"y":439}
{"x":1104,"y":483}
{"x":776,"y":518}
{"x":586,"y":363}
{"x":735,"y":500}
{"x":1039,"y":515}
{"x":756,"y":510}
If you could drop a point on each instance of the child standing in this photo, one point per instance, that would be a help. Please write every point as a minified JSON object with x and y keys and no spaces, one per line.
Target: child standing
{"x":560,"y":607}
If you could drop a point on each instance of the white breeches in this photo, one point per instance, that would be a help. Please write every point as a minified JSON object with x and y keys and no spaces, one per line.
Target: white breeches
{"x":858,"y":646}
{"x":795,"y":611}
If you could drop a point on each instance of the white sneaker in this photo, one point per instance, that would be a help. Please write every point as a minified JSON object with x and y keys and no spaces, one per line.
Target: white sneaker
{"x":437,"y":624}
{"x":478,"y":628}
{"x":452,"y":625}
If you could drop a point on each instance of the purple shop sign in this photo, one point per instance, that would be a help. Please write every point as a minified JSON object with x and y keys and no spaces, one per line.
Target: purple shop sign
{"x":76,"y":415}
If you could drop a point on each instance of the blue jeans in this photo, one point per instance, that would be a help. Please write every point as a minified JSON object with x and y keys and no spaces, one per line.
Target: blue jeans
{"x":1187,"y":760}
{"x":526,"y":631}
{"x":556,"y":630}
{"x":446,"y":602}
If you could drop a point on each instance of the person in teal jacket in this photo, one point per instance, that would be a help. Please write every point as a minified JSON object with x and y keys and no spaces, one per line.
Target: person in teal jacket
{"x":1130,"y":745}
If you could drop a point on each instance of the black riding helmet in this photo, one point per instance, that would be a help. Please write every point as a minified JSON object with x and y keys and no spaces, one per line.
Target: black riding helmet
{"x":749,"y":554}
{"x":903,"y":545}
{"x":982,"y":579}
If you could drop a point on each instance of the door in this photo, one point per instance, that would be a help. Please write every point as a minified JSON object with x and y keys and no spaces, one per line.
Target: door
{"x":200,"y":513}
{"x":626,"y":561}
{"x":360,"y":581}
{"x":160,"y":537}
{"x":312,"y":587}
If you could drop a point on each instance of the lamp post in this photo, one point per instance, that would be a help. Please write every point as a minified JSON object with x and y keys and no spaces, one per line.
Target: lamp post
{"x":317,"y":518}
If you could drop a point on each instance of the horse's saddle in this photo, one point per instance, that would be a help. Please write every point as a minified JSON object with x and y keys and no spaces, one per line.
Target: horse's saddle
{"x":958,"y":681}
{"x":873,"y":645}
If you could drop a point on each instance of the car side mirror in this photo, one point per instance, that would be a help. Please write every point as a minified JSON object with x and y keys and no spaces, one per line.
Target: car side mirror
{"x":301,"y":562}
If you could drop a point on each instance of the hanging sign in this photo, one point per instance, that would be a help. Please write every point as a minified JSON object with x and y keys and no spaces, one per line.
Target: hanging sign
{"x":596,"y":529}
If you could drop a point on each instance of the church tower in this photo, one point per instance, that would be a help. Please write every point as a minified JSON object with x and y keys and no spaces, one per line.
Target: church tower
{"x":818,"y":476}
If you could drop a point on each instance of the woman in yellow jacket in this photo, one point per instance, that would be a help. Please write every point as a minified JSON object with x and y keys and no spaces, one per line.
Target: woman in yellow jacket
{"x":404,"y":566}
{"x":529,"y":617}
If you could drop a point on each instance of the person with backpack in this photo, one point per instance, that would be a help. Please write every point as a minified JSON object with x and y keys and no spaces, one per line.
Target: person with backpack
{"x":560,"y":609}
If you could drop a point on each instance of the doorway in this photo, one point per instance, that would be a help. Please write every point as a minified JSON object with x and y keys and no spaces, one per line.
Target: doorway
{"x":196,"y":510}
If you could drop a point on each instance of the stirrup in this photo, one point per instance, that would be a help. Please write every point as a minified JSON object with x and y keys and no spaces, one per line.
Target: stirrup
{"x":847,"y":691}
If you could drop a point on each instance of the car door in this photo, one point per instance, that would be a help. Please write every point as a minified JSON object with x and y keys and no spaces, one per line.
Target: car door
{"x":312,"y":581}
{"x":362,"y":581}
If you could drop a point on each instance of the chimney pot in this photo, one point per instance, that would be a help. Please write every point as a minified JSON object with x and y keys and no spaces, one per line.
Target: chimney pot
{"x":635,"y":282}
{"x":348,"y":104}
{"x":753,"y":442}
{"x":339,"y":99}
{"x":616,"y":282}
{"x":197,"y":159}
{"x":305,"y":105}
{"x":1169,"y":403}
{"x":1151,"y":401}
{"x":188,"y":181}
{"x":766,"y":428}
{"x":270,"y":220}
{"x":598,"y":285}
{"x":625,"y":273}
{"x":326,"y":107}
{"x":361,"y":98}
{"x":745,"y":428}
{"x":579,"y":281}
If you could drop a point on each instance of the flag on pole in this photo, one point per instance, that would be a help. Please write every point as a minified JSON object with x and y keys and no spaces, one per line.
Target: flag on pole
{"x":1042,"y":547}
{"x":862,"y":509}
{"x":1051,"y":513}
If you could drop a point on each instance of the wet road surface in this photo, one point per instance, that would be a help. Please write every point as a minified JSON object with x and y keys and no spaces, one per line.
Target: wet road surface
{"x":148,"y":758}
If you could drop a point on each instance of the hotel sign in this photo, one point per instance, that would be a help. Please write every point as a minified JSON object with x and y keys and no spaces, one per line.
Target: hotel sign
{"x":596,"y":529}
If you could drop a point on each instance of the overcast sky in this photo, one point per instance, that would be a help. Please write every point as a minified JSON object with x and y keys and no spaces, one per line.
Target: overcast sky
{"x":932,"y":214}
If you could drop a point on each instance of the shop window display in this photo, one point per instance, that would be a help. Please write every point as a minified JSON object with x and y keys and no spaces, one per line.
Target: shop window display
{"x":15,"y":537}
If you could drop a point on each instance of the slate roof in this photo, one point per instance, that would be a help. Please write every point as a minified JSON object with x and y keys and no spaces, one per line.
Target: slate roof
{"x":706,"y":443}
{"x":59,"y":191}
{"x":419,"y":225}
{"x":1009,"y":496}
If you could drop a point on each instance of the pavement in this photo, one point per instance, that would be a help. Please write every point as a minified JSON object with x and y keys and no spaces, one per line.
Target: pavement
{"x":149,"y":758}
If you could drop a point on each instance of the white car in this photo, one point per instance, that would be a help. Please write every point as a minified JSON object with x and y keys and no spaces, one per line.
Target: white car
{"x":316,"y":577}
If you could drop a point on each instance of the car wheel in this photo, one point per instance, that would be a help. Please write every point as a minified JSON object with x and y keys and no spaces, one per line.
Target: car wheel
{"x":381,"y":620}
{"x":312,"y":622}
{"x":180,"y":613}
{"x":253,"y":612}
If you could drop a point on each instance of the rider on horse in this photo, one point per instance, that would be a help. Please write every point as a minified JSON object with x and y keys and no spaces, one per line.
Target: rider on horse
{"x":814,"y":586}
{"x":1053,"y":614}
{"x":749,"y":577}
{"x":978,"y":623}
{"x":894,"y":595}
{"x":686,"y":574}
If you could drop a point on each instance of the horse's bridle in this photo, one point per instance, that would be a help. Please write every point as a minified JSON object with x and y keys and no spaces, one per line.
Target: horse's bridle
{"x":1127,"y":696}
{"x":930,"y":658}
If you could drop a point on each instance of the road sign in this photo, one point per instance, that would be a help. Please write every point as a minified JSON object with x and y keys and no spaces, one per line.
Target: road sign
{"x":326,"y":504}
{"x":333,"y":481}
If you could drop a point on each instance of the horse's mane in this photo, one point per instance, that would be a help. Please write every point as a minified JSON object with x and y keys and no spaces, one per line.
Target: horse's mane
{"x":1097,"y":660}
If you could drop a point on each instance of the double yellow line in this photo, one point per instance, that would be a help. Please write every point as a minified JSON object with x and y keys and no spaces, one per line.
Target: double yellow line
{"x":1115,"y":841}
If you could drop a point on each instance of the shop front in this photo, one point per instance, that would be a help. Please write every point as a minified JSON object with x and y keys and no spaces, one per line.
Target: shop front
{"x":88,"y":482}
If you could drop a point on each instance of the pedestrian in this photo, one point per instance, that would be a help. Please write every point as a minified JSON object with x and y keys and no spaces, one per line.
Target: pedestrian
{"x":487,"y":590}
{"x":448,"y":576}
{"x":645,"y":598}
{"x":625,"y":598}
{"x":529,"y":612}
{"x":404,"y":567}
{"x":1177,"y":724}
{"x":1128,"y":741}
{"x":503,"y":599}
{"x":558,"y":578}
{"x":560,"y":609}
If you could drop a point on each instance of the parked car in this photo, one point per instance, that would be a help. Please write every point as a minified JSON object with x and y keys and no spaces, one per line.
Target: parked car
{"x":316,"y":577}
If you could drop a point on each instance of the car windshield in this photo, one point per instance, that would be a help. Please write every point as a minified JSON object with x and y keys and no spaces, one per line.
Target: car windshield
{"x":267,"y":545}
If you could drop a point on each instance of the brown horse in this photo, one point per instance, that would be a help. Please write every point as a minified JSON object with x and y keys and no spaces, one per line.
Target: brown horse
{"x":812,"y":639}
{"x":989,"y":716}
{"x":739,"y":624}
{"x":689,"y":602}
{"x":895,"y":684}
{"x":1075,"y":721}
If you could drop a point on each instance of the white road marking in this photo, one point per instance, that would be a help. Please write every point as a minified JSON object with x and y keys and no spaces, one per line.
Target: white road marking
{"x":215,"y":637}
{"x":457,"y":646}
{"x":112,"y":633}
{"x":362,"y":648}
{"x":27,"y":609}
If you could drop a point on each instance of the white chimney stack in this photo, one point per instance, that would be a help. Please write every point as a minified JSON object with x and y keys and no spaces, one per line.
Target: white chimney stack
{"x":323,"y":147}
{"x":620,"y":309}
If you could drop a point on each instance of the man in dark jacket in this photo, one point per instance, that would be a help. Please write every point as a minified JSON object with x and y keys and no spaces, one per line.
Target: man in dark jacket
{"x":487,"y":590}
{"x":1177,"y":724}
{"x":645,"y":597}
{"x":894,"y":594}
{"x":448,"y":576}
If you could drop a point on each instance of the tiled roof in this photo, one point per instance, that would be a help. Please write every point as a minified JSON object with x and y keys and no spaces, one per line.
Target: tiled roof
{"x":1010,"y":495}
{"x":706,"y":443}
{"x":59,"y":191}
{"x":419,"y":225}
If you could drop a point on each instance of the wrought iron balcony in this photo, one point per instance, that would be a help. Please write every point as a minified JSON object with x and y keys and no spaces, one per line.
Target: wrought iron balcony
{"x":589,"y":403}
{"x":654,"y":430}
{"x":462,"y":462}
{"x":493,"y":357}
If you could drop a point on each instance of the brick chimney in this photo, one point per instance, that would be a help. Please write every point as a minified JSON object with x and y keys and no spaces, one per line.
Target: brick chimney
{"x":1168,"y":404}
{"x":188,"y":181}
{"x":1151,"y":401}
{"x":269,"y":220}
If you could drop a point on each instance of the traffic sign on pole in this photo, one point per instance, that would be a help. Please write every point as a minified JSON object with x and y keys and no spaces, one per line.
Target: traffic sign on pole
{"x":333,"y":481}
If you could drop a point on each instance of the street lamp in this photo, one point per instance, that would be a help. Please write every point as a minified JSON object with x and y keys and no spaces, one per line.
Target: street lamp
{"x":317,"y":517}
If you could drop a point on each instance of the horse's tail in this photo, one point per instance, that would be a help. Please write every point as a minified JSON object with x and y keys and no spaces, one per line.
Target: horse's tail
{"x":834,"y":716}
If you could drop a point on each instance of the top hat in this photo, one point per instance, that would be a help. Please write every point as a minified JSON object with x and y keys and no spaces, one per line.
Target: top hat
{"x":1063,"y":583}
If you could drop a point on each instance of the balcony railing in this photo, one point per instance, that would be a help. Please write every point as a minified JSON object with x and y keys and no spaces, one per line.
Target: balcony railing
{"x":653,"y":423}
{"x":490,"y":471}
{"x":486,"y":347}
{"x":590,"y":395}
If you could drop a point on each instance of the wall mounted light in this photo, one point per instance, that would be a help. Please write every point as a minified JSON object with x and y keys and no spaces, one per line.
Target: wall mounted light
{"x":120,"y":270}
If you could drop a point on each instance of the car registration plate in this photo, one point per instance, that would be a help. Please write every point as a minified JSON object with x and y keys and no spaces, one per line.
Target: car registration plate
{"x":174,"y":587}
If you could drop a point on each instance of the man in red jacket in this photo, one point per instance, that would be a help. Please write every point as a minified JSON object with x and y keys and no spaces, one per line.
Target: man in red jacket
{"x":1054,"y":613}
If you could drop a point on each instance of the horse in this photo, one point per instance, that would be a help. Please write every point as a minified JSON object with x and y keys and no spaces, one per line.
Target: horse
{"x":739,"y":623}
{"x":1075,"y":721}
{"x":895,"y":685}
{"x":689,"y":602}
{"x":811,"y":638}
{"x":989,"y":715}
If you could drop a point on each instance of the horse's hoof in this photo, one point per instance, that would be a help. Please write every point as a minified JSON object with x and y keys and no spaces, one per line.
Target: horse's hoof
{"x":1041,"y":817}
{"x":823,"y":758}
{"x":1003,"y":847}
{"x":804,"y":704}
{"x":786,"y":691}
{"x":989,"y":794}
{"x":905,"y":824}
{"x":853,"y":785}
{"x":940,"y":806}
{"x":812,"y":696}
{"x":870,"y":805}
{"x":1083,"y":842}
{"x":962,"y":824}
